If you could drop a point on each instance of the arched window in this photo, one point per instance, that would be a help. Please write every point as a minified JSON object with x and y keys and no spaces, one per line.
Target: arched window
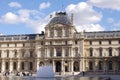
{"x":6,"y":65}
{"x":90,"y":65}
{"x":30,"y":65}
{"x":76,"y":66}
{"x":110,"y":51}
{"x":41,"y":64}
{"x":91,"y":51}
{"x":100,"y":51}
{"x":14,"y":65}
{"x":100,"y":64}
{"x":110,"y":65}
{"x":22,"y":65}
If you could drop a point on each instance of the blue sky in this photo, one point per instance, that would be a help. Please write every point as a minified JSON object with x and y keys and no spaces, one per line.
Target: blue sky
{"x":31,"y":16}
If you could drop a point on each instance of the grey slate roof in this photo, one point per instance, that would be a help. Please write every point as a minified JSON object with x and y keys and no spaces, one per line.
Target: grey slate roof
{"x":61,"y":18}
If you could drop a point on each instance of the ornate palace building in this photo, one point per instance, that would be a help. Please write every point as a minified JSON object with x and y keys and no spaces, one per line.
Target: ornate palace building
{"x":63,"y":47}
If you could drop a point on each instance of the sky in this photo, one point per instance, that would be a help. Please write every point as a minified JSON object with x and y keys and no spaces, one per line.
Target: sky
{"x":31,"y":16}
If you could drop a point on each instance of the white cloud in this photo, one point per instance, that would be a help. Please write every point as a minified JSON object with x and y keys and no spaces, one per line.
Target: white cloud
{"x":28,"y":17}
{"x":40,"y":25}
{"x":90,"y":27}
{"x":15,"y":4}
{"x":110,"y":4}
{"x":110,"y":20}
{"x":117,"y":24}
{"x":44,"y":5}
{"x":10,"y":18}
{"x":85,"y":16}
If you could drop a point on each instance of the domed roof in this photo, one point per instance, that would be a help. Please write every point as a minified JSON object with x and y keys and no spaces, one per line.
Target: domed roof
{"x":60,"y":17}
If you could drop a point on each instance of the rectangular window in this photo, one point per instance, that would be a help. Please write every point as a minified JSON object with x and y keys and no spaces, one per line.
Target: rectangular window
{"x":22,"y":65}
{"x":23,"y":44}
{"x":30,"y":66}
{"x":90,"y":65}
{"x":31,"y":53}
{"x":100,"y":42}
{"x":66,"y":42}
{"x":110,"y":51}
{"x":59,"y":52}
{"x":119,"y":41}
{"x":91,"y":52}
{"x":14,"y":66}
{"x":90,"y":42}
{"x":15,"y":44}
{"x":119,"y":65}
{"x":7,"y":53}
{"x":67,"y":52}
{"x":109,"y":42}
{"x":6,"y":65}
{"x":7,"y":44}
{"x":76,"y":42}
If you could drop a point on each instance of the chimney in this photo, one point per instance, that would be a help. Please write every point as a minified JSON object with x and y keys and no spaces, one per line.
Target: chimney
{"x":72,"y":18}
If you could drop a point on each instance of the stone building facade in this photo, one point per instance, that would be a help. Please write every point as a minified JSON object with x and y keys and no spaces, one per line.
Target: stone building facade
{"x":61,"y":46}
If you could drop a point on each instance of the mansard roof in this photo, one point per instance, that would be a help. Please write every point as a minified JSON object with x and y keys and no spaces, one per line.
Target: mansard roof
{"x":102,"y":34}
{"x":60,"y":18}
{"x":19,"y":37}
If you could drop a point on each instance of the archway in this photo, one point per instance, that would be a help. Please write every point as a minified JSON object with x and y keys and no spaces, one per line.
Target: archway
{"x":58,"y":66}
{"x":76,"y":66}
{"x":41,"y":64}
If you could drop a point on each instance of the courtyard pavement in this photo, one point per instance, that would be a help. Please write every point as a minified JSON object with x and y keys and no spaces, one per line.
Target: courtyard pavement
{"x":112,"y":77}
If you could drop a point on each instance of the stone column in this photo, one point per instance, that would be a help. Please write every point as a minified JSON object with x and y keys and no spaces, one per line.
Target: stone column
{"x":45,"y":52}
{"x":72,"y":52}
{"x":48,"y":52}
{"x":80,"y":65}
{"x":83,"y":64}
{"x":38,"y":64}
{"x":71,"y":65}
{"x":63,"y":31}
{"x":26,"y":66}
{"x":3,"y":66}
{"x":69,"y":51}
{"x":19,"y":67}
{"x":53,"y":65}
{"x":11,"y":65}
{"x":54,"y":52}
{"x":63,"y":52}
{"x":62,"y":68}
{"x":55,"y":33}
{"x":48,"y":33}
{"x":96,"y":66}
